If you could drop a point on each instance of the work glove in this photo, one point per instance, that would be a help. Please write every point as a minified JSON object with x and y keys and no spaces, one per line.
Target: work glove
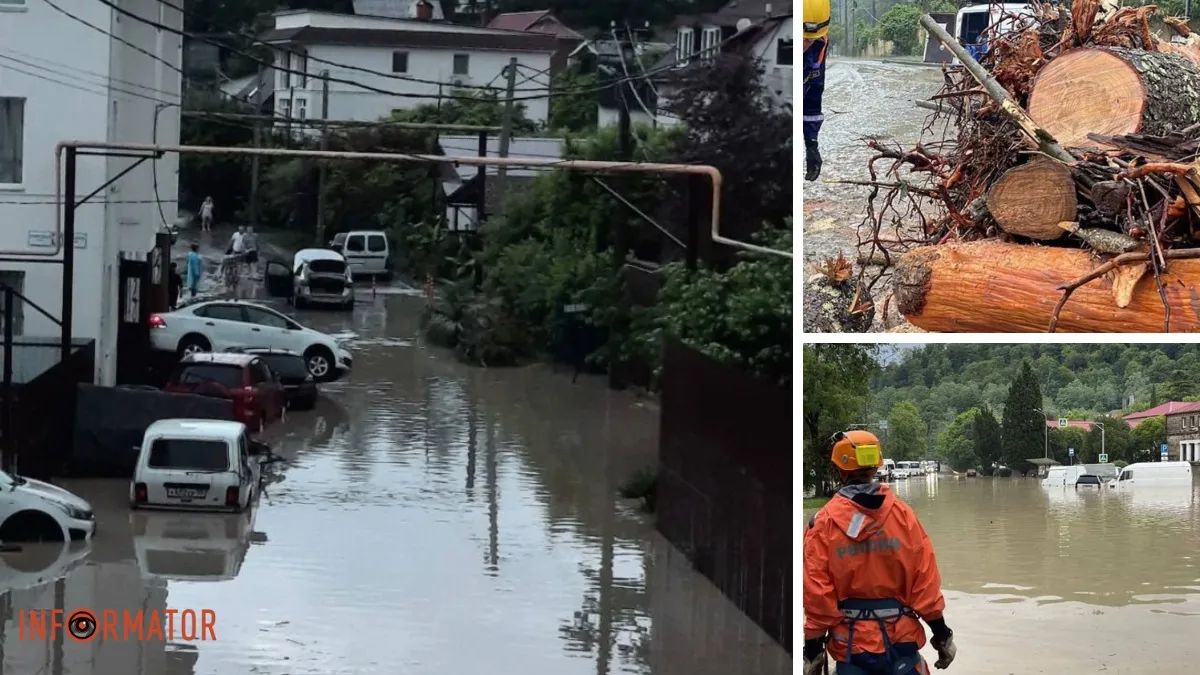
{"x":812,"y":162}
{"x":814,"y":656}
{"x":946,"y":651}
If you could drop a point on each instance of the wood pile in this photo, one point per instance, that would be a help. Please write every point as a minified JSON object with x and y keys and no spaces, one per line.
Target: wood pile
{"x":1065,"y":192}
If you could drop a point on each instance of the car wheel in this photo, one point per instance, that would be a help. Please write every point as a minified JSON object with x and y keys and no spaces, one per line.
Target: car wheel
{"x":319,"y":362}
{"x":193,"y":344}
{"x":30,"y":526}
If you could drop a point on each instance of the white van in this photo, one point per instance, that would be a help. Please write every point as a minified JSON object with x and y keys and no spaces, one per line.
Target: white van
{"x":198,"y":465}
{"x":887,"y":472}
{"x":1156,"y":474}
{"x":1063,"y":476}
{"x":366,"y":251}
{"x":908,"y":469}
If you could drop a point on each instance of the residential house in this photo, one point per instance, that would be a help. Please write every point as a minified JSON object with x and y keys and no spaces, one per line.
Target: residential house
{"x":543,"y":21}
{"x":415,"y":60}
{"x":118,"y":83}
{"x":755,"y":28}
{"x":1168,"y":408}
{"x":604,"y":57}
{"x":426,"y":10}
{"x":461,"y":184}
{"x":1183,"y":432}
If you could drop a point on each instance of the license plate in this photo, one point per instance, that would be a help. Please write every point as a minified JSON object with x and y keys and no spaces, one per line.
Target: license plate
{"x":186,"y":493}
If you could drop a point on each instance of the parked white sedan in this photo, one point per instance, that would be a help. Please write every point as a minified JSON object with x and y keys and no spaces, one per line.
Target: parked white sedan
{"x":220,"y":325}
{"x":31,"y":510}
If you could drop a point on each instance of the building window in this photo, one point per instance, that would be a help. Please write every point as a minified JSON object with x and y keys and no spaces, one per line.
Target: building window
{"x":12,"y":135}
{"x":302,"y":66}
{"x":285,"y":107}
{"x":709,"y":39}
{"x":285,"y":76}
{"x":15,"y":281}
{"x":302,"y":108}
{"x":783,"y":52}
{"x":399,"y":62}
{"x":685,"y":44}
{"x":16,"y":5}
{"x":462,"y":64}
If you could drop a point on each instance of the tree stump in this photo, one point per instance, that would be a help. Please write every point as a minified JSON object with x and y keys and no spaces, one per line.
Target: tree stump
{"x":1033,"y":198}
{"x":1114,"y":91}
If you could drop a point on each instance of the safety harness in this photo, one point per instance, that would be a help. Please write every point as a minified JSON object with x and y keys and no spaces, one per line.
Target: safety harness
{"x":885,"y":612}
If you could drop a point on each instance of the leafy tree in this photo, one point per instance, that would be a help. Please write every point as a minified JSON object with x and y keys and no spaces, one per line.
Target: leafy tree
{"x":1181,"y":385}
{"x":1146,"y":438}
{"x":732,"y":125}
{"x":1062,"y":439}
{"x":906,"y":432}
{"x":956,"y":443}
{"x":987,"y":437}
{"x":899,"y":25}
{"x":836,"y":386}
{"x":223,"y":177}
{"x":1023,"y":424}
{"x":1116,"y":441}
{"x":577,"y":112}
{"x":475,"y":107}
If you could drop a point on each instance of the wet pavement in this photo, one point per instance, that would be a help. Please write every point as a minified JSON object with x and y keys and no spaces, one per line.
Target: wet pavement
{"x":429,"y":517}
{"x":1064,"y":580}
{"x":863,"y":98}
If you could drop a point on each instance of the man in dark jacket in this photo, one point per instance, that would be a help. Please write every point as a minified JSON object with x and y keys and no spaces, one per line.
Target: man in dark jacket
{"x":176,"y":286}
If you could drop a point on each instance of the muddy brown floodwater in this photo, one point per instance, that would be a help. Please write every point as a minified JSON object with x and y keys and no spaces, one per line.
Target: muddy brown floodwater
{"x":1064,"y":580}
{"x":429,"y":518}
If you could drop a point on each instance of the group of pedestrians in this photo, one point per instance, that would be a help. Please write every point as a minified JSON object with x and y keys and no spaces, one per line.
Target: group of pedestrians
{"x":241,"y":255}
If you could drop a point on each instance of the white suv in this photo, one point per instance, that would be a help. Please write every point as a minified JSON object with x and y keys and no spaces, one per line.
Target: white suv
{"x":220,"y":325}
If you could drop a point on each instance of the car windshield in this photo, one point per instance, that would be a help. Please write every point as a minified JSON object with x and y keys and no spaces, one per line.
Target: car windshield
{"x":227,"y":376}
{"x":327,"y":266}
{"x":287,"y":365}
{"x":189,"y":454}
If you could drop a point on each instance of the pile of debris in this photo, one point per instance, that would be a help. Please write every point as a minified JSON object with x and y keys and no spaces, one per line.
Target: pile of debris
{"x":1065,"y":190}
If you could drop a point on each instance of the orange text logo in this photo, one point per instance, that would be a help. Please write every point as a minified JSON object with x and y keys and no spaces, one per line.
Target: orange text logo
{"x":84,"y":625}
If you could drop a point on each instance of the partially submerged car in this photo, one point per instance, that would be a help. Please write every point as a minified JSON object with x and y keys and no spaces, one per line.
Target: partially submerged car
{"x":318,"y":276}
{"x":299,"y":386}
{"x":205,"y":465}
{"x":31,"y":510}
{"x":257,"y":394}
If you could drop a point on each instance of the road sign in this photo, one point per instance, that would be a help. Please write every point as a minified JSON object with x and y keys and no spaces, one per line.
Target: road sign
{"x":1071,"y":452}
{"x":1104,"y":458}
{"x":1163,"y":449}
{"x":883,"y":424}
{"x":1062,"y":423}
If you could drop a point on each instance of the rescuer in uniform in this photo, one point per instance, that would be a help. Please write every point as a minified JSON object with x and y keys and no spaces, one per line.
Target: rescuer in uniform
{"x":816,"y":42}
{"x":870,"y":574}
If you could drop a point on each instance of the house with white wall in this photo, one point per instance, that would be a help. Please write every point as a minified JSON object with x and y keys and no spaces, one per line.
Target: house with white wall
{"x":415,"y":61}
{"x":77,"y":77}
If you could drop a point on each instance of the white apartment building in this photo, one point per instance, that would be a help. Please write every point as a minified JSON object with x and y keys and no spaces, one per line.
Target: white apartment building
{"x":417,"y":59}
{"x":71,"y":74}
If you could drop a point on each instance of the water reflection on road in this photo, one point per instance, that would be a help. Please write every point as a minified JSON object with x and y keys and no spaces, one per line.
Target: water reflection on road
{"x":428,"y":518}
{"x":1064,"y":580}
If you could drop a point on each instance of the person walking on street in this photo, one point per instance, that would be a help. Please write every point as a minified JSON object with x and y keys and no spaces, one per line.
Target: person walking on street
{"x":250,"y":243}
{"x":194,"y":270}
{"x":816,"y":42}
{"x":869,"y":575}
{"x":206,"y":215}
{"x":176,"y":285}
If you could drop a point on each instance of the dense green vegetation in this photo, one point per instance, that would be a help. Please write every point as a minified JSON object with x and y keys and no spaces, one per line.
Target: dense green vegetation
{"x":980,"y":406}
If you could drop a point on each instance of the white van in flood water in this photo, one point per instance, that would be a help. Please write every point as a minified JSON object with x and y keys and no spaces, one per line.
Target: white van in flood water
{"x":1063,"y":476}
{"x":1156,"y":474}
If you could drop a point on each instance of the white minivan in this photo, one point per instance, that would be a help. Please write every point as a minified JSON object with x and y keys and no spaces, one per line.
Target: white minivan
{"x":365,"y":250}
{"x":1156,"y":474}
{"x":198,"y":465}
{"x":1063,"y":476}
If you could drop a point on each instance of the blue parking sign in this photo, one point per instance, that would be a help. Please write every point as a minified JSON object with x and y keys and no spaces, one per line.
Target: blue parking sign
{"x":1163,"y":449}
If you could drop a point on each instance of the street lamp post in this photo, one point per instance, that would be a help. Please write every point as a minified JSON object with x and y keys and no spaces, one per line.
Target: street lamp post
{"x":1101,"y":425}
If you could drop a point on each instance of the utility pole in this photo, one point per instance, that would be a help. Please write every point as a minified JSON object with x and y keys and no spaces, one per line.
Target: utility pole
{"x":254,"y":169}
{"x":506,"y":126}
{"x":321,"y":164}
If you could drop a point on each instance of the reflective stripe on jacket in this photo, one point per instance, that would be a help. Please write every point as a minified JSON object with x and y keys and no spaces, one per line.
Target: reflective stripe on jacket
{"x":853,"y":551}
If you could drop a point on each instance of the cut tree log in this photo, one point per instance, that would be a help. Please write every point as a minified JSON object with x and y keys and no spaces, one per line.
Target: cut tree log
{"x":1113,"y":91}
{"x":993,"y":286}
{"x":1033,"y":198}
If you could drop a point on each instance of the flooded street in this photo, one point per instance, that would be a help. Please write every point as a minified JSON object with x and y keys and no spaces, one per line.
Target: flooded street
{"x":429,"y":517}
{"x":1058,"y":580}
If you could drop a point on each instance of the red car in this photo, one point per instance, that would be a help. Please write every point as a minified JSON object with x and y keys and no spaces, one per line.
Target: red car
{"x":257,"y":394}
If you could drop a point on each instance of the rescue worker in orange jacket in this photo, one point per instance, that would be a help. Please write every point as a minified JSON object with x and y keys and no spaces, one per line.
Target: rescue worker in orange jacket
{"x":869,"y":575}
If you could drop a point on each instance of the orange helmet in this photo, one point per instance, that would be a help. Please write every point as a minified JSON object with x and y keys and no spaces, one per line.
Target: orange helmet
{"x":856,"y":449}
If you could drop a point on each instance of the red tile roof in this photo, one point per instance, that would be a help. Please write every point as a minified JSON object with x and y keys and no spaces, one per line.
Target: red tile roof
{"x":1082,"y":424}
{"x":528,"y":21}
{"x":1169,"y":408}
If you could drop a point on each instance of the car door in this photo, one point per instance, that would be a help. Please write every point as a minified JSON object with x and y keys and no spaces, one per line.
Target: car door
{"x":377,"y":249}
{"x":248,"y":469}
{"x":271,"y":328}
{"x":224,"y":324}
{"x":268,"y":388}
{"x":355,"y":252}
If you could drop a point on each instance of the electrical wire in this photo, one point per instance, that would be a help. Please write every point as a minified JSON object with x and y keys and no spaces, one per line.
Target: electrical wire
{"x":76,"y":77}
{"x":107,"y":78}
{"x":638,"y":57}
{"x":625,"y":68}
{"x":123,"y":41}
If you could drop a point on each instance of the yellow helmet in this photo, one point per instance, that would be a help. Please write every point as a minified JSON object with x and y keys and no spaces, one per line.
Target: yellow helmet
{"x":816,"y":19}
{"x":856,"y":449}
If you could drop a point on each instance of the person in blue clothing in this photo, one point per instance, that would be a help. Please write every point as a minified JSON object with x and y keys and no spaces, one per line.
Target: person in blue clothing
{"x":195,"y":269}
{"x":816,"y":42}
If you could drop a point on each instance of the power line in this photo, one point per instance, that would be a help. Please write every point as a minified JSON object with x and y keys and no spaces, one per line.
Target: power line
{"x":108,"y":78}
{"x":76,"y":77}
{"x":129,"y":44}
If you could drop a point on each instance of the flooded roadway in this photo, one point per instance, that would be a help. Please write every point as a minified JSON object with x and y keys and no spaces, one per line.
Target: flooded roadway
{"x":1064,"y":581}
{"x":429,"y":518}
